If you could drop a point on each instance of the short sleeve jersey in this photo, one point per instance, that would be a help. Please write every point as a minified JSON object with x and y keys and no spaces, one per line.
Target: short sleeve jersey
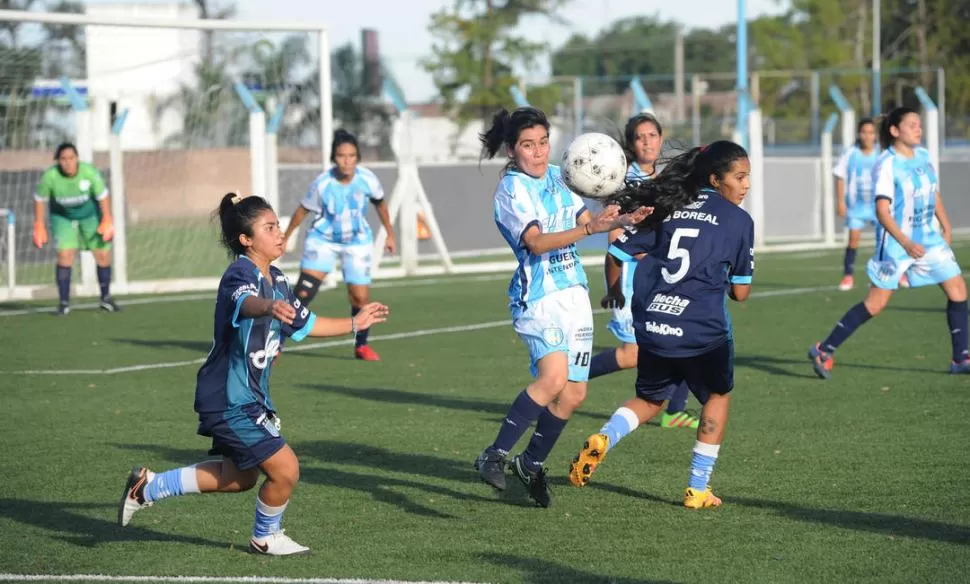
{"x":340,"y":210}
{"x":237,"y":369}
{"x":680,"y":290}
{"x":72,"y":197}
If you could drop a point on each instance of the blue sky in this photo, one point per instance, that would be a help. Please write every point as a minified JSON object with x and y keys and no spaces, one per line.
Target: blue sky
{"x":404,"y":39}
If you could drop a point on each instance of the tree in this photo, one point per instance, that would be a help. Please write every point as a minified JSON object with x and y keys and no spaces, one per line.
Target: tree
{"x":71,"y":59}
{"x":476,"y":48}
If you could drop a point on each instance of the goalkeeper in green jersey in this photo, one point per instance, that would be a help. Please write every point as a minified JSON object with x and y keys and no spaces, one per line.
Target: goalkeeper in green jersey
{"x":80,"y":214}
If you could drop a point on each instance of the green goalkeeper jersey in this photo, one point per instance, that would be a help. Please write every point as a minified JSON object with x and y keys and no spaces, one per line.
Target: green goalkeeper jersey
{"x":72,"y":197}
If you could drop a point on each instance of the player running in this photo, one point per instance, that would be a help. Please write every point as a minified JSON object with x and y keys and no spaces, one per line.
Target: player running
{"x":80,"y":211}
{"x":255,"y":312}
{"x":338,"y":199}
{"x":643,"y":138}
{"x":853,"y":188}
{"x":700,"y":252}
{"x":907,"y":241}
{"x":541,"y":219}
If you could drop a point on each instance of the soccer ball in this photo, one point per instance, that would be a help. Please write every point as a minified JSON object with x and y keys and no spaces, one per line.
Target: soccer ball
{"x":594,"y":166}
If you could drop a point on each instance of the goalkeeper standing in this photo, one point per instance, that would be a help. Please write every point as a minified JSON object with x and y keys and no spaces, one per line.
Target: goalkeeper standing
{"x":80,"y":216}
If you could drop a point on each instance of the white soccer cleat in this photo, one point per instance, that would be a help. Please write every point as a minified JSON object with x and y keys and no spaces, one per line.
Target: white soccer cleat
{"x":276,"y":544}
{"x":133,"y":499}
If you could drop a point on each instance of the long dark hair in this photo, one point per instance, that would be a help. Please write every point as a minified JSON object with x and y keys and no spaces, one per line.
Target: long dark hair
{"x":630,"y":134}
{"x":506,"y":128}
{"x":236,"y":217}
{"x":681,"y":180}
{"x":340,"y":137}
{"x":892,"y":120}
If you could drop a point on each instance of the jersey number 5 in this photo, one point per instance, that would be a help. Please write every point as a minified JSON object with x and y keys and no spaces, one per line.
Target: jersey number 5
{"x":677,"y":252}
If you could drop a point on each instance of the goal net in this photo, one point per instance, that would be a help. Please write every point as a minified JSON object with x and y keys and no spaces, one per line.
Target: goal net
{"x":173,"y":111}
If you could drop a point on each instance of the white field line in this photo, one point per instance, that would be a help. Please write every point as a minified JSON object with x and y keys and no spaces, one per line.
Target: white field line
{"x":203,"y":579}
{"x":161,"y":299}
{"x":348,"y":341}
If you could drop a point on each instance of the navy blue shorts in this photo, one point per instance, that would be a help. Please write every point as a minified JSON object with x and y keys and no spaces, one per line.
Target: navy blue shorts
{"x":711,"y":372}
{"x":246,"y":436}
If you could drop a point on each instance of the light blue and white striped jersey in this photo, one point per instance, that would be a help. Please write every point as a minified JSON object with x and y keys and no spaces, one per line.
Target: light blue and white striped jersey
{"x":340,"y":210}
{"x":522,"y":201}
{"x":634,"y":173}
{"x":855,"y":169}
{"x":910,"y":186}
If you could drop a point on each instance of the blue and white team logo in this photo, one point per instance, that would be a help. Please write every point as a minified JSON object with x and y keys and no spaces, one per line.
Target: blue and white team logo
{"x":263,"y":357}
{"x":668,"y":304}
{"x":553,"y":336}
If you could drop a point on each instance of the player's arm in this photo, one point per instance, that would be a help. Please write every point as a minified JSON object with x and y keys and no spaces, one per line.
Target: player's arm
{"x":40,"y":212}
{"x":943,"y":217}
{"x":106,"y":228}
{"x":539,"y":243}
{"x":369,"y":315}
{"x":298,"y":216}
{"x":742,"y":267}
{"x":885,"y":191}
{"x":380,"y":205}
{"x":311,"y":202}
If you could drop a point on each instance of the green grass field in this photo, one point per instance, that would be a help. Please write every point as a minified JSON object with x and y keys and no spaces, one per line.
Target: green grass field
{"x":861,"y":478}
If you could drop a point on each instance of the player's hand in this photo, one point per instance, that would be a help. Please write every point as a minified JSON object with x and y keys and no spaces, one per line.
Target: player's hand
{"x":106,"y":229}
{"x":634,"y":217}
{"x":40,"y":234}
{"x":282,"y":311}
{"x":843,"y":210}
{"x":914,"y":250}
{"x":371,"y":314}
{"x":605,"y":220}
{"x":612,"y":300}
{"x":390,"y":244}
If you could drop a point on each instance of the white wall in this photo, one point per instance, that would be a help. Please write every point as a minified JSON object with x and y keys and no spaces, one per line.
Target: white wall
{"x":138,"y":68}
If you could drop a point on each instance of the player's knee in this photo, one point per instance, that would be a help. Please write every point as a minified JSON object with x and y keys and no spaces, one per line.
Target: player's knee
{"x":551,"y":384}
{"x":573,"y":397}
{"x":306,"y":287}
{"x":358,"y":297}
{"x":626,"y":356}
{"x":247,"y":479}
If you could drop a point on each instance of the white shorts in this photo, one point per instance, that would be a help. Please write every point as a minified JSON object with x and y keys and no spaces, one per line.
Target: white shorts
{"x":321,"y":255}
{"x":559,"y":322}
{"x":935,"y":267}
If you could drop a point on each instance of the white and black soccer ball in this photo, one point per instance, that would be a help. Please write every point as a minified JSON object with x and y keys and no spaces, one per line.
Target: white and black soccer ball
{"x":594,"y":166}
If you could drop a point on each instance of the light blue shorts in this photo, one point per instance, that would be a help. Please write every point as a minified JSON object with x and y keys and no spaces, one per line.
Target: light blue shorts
{"x":937,"y":266}
{"x":321,"y":255}
{"x":559,"y":322}
{"x":856,"y":219}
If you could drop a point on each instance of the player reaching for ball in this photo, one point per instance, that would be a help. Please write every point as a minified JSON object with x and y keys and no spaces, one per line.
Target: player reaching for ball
{"x":255,"y":312}
{"x":541,"y":220}
{"x":643,"y":137}
{"x":700,"y":246}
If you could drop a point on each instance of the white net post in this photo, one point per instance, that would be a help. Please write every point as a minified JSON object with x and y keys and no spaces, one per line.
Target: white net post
{"x":84,"y":140}
{"x":272,"y":164}
{"x":847,"y":114}
{"x":8,"y":245}
{"x":828,"y":183}
{"x":118,"y":206}
{"x":257,"y":141}
{"x":756,"y":194}
{"x":931,"y":121}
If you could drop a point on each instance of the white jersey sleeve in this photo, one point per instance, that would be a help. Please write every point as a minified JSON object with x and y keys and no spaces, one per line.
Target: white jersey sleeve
{"x":376,"y":191}
{"x":841,"y":169}
{"x":882,"y":176}
{"x":514,"y":210}
{"x":313,"y":199}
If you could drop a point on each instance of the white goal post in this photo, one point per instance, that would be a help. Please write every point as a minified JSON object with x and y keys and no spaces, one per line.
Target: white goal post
{"x":101,"y":142}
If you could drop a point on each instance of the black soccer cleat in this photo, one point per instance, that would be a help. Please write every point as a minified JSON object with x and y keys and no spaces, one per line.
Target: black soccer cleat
{"x":491,"y":468}
{"x":535,"y":482}
{"x":63,"y":309}
{"x":108,"y":305}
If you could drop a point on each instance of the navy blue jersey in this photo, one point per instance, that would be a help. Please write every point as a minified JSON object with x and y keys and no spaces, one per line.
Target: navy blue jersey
{"x":236,"y":371}
{"x":679,"y":292}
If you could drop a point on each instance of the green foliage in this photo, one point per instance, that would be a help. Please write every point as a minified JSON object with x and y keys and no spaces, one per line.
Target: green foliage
{"x":476,"y":48}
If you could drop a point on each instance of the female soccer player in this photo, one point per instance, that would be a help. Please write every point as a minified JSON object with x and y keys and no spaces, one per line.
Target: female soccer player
{"x":541,"y":219}
{"x":700,"y":244}
{"x":80,"y":219}
{"x":255,"y":312}
{"x":643,"y":136}
{"x":338,"y":199}
{"x":853,"y":187}
{"x":907,"y":242}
